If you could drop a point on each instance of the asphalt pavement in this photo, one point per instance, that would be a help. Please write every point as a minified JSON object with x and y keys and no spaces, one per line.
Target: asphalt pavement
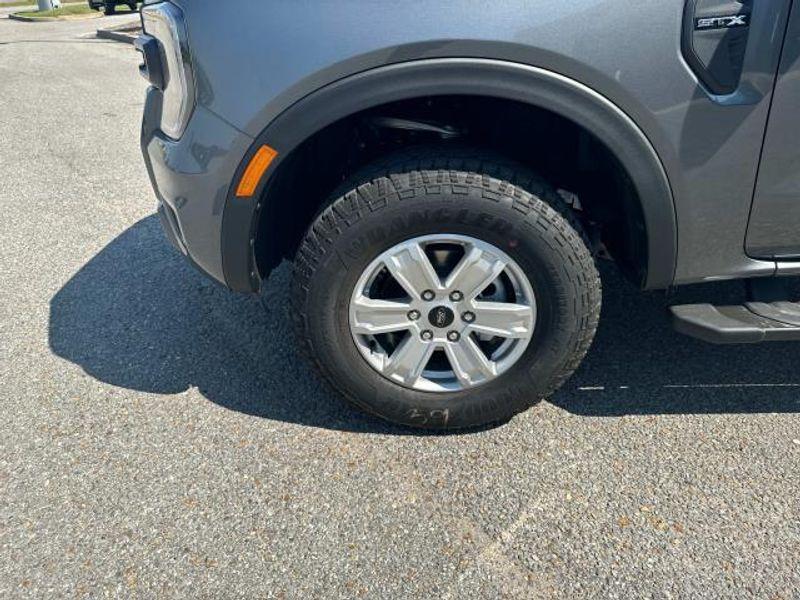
{"x":161,"y":437}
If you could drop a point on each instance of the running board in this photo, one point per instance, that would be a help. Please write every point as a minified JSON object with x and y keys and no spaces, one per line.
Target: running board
{"x":749,"y":323}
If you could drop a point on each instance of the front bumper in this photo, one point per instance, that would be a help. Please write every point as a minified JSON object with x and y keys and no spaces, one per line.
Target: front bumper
{"x":191,"y":178}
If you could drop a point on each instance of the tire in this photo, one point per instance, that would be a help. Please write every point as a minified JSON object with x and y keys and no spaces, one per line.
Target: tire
{"x":132,"y":6}
{"x":109,"y":8}
{"x":464,"y":193}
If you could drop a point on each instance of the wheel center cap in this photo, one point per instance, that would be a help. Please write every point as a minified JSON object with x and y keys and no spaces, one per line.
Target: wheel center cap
{"x":441,"y":317}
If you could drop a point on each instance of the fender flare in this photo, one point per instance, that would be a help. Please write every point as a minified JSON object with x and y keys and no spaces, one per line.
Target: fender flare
{"x":459,"y":76}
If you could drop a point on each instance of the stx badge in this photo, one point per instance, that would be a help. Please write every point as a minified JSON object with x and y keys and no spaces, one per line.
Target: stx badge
{"x":723,"y":22}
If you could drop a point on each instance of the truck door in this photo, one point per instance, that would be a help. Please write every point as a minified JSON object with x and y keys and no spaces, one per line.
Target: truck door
{"x":774,"y":229}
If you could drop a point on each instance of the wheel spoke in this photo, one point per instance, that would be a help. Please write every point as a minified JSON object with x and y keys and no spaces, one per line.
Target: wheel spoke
{"x":468,"y":361}
{"x":475,"y":272}
{"x":371,"y":316}
{"x":412,"y":270}
{"x":503,"y":320}
{"x":408,"y":360}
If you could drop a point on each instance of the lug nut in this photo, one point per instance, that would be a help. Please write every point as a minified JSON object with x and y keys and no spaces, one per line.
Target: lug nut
{"x":426,"y":335}
{"x":468,"y":317}
{"x":414,"y":315}
{"x":453,"y":336}
{"x":456,"y":296}
{"x":428,"y":295}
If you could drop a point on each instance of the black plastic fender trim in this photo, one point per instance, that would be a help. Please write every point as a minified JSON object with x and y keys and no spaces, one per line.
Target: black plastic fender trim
{"x":458,"y":76}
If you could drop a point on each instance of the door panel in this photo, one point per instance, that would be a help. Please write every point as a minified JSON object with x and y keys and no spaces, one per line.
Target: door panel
{"x":774,"y":230}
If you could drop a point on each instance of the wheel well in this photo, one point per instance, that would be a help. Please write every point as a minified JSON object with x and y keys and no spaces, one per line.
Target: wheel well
{"x":565,"y":154}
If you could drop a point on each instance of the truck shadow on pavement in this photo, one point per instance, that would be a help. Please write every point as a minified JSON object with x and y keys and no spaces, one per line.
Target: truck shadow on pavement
{"x":137,"y":316}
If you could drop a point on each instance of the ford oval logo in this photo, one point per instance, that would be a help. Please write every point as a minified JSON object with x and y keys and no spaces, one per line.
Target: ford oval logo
{"x":441,"y":317}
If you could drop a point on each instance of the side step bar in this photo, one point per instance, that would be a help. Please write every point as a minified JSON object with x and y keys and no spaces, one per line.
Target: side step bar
{"x":748,"y":323}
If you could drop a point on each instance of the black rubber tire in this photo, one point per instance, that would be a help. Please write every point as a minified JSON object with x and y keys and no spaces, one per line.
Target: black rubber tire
{"x":462,"y":192}
{"x":109,"y":8}
{"x":132,"y":6}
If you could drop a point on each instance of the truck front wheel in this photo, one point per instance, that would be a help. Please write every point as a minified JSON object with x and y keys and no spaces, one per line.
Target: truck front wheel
{"x":445,"y":291}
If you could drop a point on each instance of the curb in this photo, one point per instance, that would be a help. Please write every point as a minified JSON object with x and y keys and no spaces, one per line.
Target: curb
{"x":117,"y":36}
{"x":19,"y":17}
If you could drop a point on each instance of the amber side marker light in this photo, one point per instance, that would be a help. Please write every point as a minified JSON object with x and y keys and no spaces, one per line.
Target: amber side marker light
{"x":255,"y":171}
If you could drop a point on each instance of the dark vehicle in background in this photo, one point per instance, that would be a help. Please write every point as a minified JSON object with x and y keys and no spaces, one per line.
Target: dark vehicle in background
{"x":109,"y":7}
{"x":444,"y":175}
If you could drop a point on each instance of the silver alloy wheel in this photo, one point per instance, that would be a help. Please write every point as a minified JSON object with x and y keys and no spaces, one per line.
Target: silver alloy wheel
{"x":477,"y":325}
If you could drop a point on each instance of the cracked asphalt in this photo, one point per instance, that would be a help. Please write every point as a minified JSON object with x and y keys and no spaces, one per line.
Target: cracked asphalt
{"x":160,"y":437}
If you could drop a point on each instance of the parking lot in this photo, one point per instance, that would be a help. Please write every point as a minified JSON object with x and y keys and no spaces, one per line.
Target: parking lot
{"x":161,"y":437}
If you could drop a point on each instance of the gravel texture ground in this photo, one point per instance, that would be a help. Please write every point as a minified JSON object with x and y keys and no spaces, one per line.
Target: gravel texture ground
{"x":160,"y":437}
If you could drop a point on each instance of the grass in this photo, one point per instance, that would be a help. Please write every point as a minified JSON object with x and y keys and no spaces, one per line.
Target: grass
{"x":65,"y":10}
{"x":33,"y":3}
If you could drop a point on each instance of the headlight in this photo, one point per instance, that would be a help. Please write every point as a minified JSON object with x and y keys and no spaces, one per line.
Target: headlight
{"x":165,"y":23}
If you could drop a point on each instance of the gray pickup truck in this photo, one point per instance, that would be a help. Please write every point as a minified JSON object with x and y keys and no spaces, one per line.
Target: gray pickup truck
{"x":445,"y":173}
